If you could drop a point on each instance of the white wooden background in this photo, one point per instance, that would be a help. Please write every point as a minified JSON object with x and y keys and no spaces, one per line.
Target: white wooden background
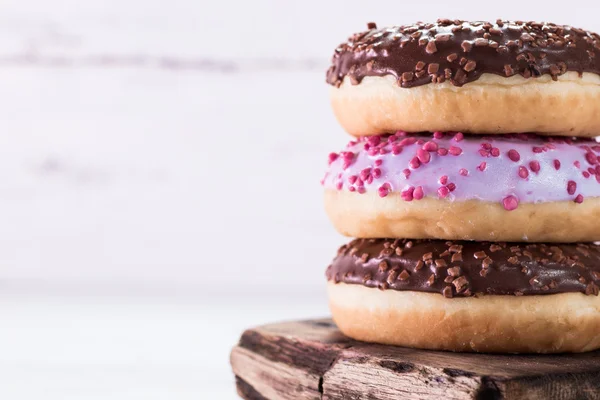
{"x":158,"y":161}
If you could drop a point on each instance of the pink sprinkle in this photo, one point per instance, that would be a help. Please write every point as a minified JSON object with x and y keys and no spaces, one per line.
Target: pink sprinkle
{"x":352,"y":179}
{"x":365,"y":173}
{"x":596,"y":149}
{"x":430,"y":146}
{"x":451,"y":186}
{"x":458,"y":137}
{"x":597,"y":170}
{"x":376,"y":173}
{"x":407,"y":141}
{"x":514,"y":155}
{"x":423,"y":156}
{"x":442,"y":151}
{"x":579,"y":199}
{"x":534,"y":166}
{"x":510,"y":203}
{"x":339,"y":185}
{"x":401,"y":133}
{"x":348,"y":157}
{"x":392,"y":139}
{"x":378,"y":162}
{"x":551,"y":146}
{"x":383,"y":151}
{"x":420,"y":142}
{"x":577,"y":164}
{"x":571,"y":187}
{"x":591,"y":158}
{"x":333,"y":157}
{"x":406,"y":172}
{"x":495,"y":152}
{"x":418,"y":193}
{"x":374,"y":140}
{"x":523,"y":173}
{"x":455,"y":151}
{"x":484,"y":153}
{"x":361,"y":189}
{"x":557,"y":164}
{"x":407,"y":194}
{"x":592,"y":171}
{"x":537,"y":149}
{"x":396,"y":150}
{"x":486,"y":146}
{"x":482,"y":166}
{"x":443,"y":191}
{"x":414,"y":163}
{"x":443,"y":180}
{"x":352,"y":188}
{"x":586,"y":174}
{"x":370,"y":179}
{"x":463,"y":172}
{"x":383,"y":190}
{"x":438,"y":135}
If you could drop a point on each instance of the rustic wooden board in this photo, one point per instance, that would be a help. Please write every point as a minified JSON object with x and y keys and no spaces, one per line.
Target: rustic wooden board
{"x":313,"y":360}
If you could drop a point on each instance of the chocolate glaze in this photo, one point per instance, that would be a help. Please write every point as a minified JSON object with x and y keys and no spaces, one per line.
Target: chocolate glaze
{"x":463,"y":268}
{"x":462,"y":51}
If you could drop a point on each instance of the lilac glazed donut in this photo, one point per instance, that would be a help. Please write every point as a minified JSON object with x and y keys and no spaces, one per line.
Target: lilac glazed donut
{"x":513,"y":187}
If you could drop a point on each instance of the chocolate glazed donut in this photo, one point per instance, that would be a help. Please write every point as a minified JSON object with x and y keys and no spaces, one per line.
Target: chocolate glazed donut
{"x":506,"y":297}
{"x":472,"y":76}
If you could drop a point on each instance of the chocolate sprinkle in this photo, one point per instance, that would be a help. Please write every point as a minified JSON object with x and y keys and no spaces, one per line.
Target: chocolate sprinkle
{"x":404,"y":275}
{"x":457,"y":257}
{"x":513,"y":269}
{"x":503,"y":48}
{"x":447,"y":292}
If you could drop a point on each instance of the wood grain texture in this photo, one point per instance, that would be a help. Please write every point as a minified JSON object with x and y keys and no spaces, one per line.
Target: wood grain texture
{"x":313,"y":360}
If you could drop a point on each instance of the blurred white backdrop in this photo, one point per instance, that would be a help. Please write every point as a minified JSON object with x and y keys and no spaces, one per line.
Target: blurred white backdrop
{"x":159,"y":162}
{"x":180,"y":143}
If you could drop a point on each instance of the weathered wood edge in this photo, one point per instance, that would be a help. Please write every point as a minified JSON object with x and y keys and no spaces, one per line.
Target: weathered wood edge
{"x":311,"y":359}
{"x":315,"y":347}
{"x":246,"y":391}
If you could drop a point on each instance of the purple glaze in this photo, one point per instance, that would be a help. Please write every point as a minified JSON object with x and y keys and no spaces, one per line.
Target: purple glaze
{"x":507,"y":169}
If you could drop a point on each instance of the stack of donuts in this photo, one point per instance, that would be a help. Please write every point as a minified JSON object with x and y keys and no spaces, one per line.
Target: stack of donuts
{"x":471,"y":186}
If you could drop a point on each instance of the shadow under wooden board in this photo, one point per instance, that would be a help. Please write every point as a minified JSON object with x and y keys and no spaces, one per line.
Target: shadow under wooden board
{"x":313,"y":360}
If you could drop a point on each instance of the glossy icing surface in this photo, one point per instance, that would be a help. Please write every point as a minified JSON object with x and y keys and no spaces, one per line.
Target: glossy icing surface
{"x":508,"y":169}
{"x":461,"y":51}
{"x":465,"y":268}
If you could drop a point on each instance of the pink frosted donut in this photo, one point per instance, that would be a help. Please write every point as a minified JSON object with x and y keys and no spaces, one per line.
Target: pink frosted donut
{"x":517,"y":187}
